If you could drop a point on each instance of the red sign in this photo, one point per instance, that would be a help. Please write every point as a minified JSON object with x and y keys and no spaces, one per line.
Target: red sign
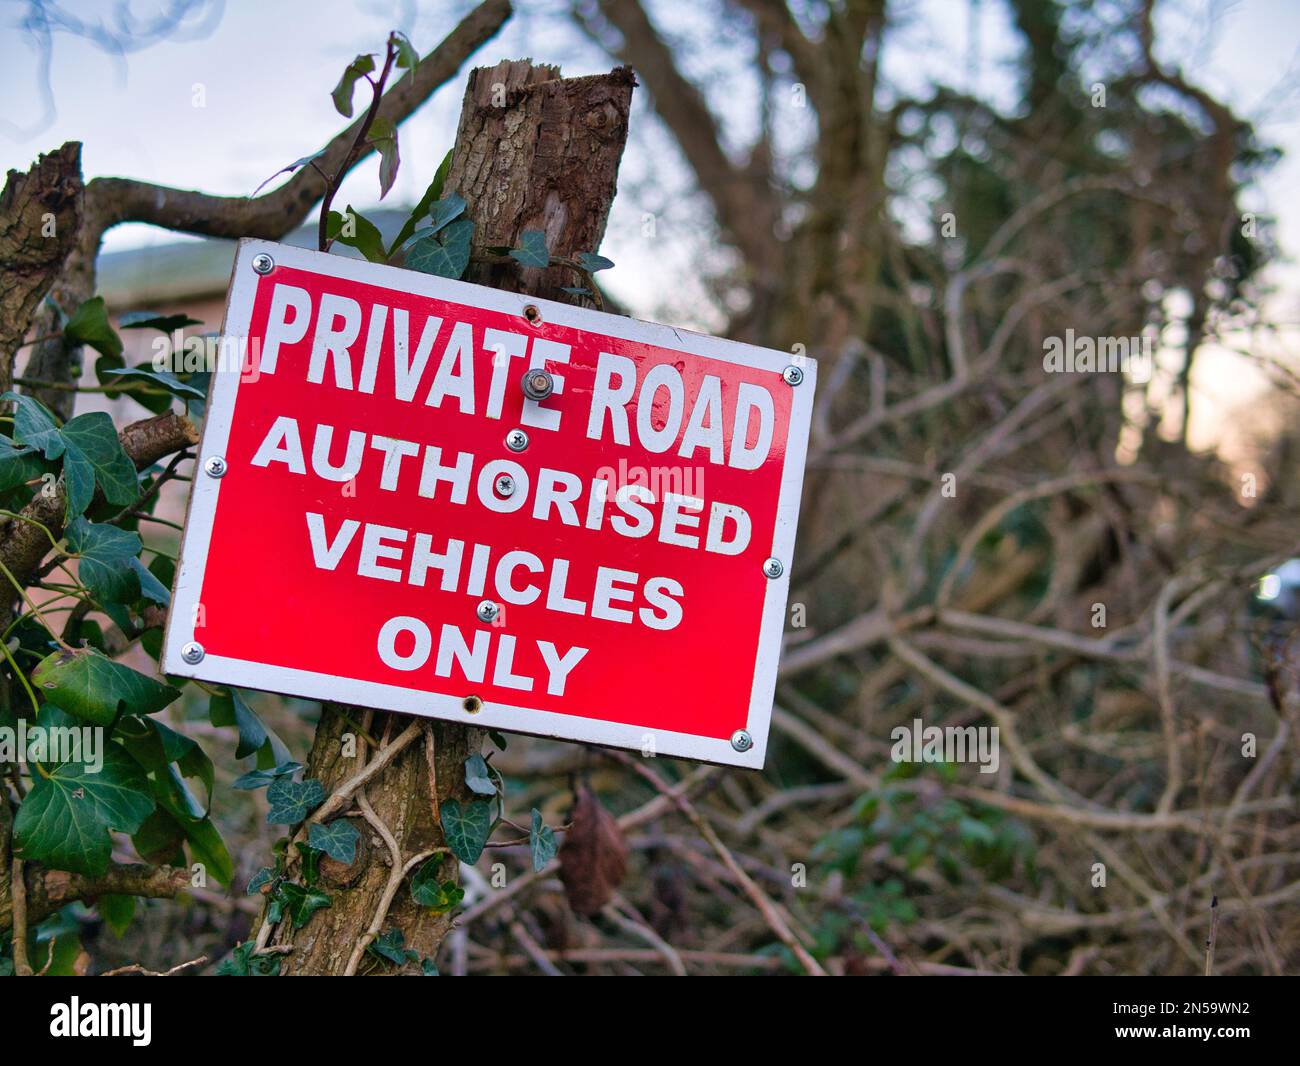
{"x":383,"y":516}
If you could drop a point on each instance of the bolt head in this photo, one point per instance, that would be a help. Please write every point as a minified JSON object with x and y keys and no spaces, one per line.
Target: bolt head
{"x":792,"y":375}
{"x":505,"y":485}
{"x":773,"y":568}
{"x":516,"y":440}
{"x":263,"y":263}
{"x":192,"y":652}
{"x":741,"y":740}
{"x":214,"y":466}
{"x":488,"y":611}
{"x":538,"y":384}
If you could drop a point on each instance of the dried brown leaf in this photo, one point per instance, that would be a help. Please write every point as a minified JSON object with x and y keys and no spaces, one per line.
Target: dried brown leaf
{"x":593,"y":858}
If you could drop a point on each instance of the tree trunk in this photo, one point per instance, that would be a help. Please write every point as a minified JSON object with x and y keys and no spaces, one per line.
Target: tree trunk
{"x":533,"y":151}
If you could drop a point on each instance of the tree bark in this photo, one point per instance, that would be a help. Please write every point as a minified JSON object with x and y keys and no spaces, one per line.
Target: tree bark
{"x":40,"y":213}
{"x":533,"y":151}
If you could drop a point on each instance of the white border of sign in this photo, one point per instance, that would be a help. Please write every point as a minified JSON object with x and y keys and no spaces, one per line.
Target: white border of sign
{"x":206,"y":490}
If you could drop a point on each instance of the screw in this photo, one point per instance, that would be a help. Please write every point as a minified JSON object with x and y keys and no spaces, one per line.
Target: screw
{"x":516,"y":440}
{"x":773,"y":568}
{"x":538,"y":384}
{"x":263,"y":263}
{"x":488,"y":611}
{"x":192,"y":653}
{"x":505,"y":485}
{"x":793,"y":375}
{"x":214,"y":466}
{"x":741,"y":740}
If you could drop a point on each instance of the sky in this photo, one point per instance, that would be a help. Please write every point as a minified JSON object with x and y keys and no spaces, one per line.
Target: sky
{"x":224,"y":107}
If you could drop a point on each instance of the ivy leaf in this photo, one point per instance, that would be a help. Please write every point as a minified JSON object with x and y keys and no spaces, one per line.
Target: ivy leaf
{"x":65,"y":819}
{"x":97,"y":689}
{"x":428,"y":891}
{"x":466,"y":828}
{"x":591,"y":262}
{"x":19,"y":465}
{"x":291,"y":801}
{"x":261,"y":778}
{"x":498,"y":739}
{"x":383,"y":138}
{"x":295,"y":165}
{"x":106,"y":553}
{"x":243,"y":963}
{"x":35,"y":425}
{"x":93,"y":454}
{"x":407,"y":57}
{"x":163,"y":379}
{"x":150,"y":587}
{"x":541,"y":842}
{"x":310,"y":863}
{"x":431,"y":195}
{"x":301,"y":903}
{"x":89,"y":325}
{"x":337,"y":839}
{"x":391,"y":945}
{"x":254,"y":736}
{"x":342,"y":94}
{"x":158,"y":320}
{"x":429,"y":968}
{"x":441,"y":213}
{"x":532,"y":249}
{"x":263,"y":877}
{"x":445,"y":253}
{"x":477,"y":777}
{"x":356,"y":231}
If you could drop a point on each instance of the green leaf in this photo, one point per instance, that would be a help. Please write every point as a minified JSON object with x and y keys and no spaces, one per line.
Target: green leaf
{"x":441,"y":213}
{"x":296,"y":164}
{"x":391,"y":945}
{"x":498,"y":739}
{"x":428,"y":968}
{"x":117,"y":912}
{"x":477,"y":777}
{"x":243,"y":963}
{"x":106,"y":554}
{"x":168,"y":323}
{"x":93,"y":454}
{"x":310,"y":862}
{"x":445,"y":253}
{"x":262,"y":778}
{"x":291,"y":801}
{"x":65,"y":819}
{"x":466,"y":828}
{"x":150,"y":587}
{"x":591,"y":262}
{"x":541,"y":842}
{"x":407,"y":57}
{"x":254,"y":735}
{"x":342,"y":94}
{"x":383,"y":138}
{"x":264,"y":876}
{"x":337,"y":839}
{"x":35,"y":425}
{"x":301,"y":903}
{"x":532,"y":249}
{"x":428,"y":891}
{"x":356,"y":231}
{"x":97,"y":689}
{"x":431,"y":195}
{"x":89,"y":325}
{"x":162,"y":379}
{"x":19,"y":465}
